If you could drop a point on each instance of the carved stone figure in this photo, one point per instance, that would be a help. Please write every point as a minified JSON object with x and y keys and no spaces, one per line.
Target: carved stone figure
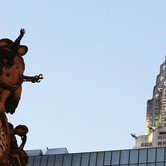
{"x":20,"y":130}
{"x":12,"y":68}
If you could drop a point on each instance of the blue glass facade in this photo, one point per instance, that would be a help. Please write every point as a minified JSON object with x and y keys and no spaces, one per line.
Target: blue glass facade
{"x":132,"y":157}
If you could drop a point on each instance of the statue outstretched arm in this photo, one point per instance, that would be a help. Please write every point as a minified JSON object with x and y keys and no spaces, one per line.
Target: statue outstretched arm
{"x":34,"y":79}
{"x":17,"y":41}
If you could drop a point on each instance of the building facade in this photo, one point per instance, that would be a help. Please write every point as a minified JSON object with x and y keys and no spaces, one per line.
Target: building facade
{"x":156,"y":107}
{"x":155,"y":135}
{"x":132,"y":157}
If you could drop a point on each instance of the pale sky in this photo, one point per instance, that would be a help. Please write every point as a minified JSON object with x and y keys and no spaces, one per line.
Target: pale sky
{"x":100,"y":60}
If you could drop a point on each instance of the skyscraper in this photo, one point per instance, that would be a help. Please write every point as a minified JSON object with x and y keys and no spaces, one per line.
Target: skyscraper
{"x":156,"y":107}
{"x":155,"y":134}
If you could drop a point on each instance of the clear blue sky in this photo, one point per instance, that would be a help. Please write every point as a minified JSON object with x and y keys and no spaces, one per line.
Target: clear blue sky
{"x":99,"y":58}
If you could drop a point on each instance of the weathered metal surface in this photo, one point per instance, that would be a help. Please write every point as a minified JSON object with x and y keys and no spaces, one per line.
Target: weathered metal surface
{"x":12,"y":68}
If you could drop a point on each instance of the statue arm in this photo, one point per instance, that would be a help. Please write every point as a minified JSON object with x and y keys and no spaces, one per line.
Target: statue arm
{"x":17,"y":41}
{"x":23,"y":138}
{"x":33,"y":79}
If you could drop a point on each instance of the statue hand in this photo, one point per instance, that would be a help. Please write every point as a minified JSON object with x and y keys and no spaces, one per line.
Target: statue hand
{"x":22,"y":31}
{"x":37,"y":78}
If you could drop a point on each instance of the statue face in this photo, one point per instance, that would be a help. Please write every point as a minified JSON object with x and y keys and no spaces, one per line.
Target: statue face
{"x":21,"y":50}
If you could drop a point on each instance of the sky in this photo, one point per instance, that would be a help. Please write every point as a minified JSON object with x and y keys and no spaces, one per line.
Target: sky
{"x":99,"y":59}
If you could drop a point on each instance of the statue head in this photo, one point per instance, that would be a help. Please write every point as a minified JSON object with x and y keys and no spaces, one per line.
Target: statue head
{"x":6,"y":46}
{"x":21,"y":130}
{"x":22,"y":50}
{"x":8,"y":49}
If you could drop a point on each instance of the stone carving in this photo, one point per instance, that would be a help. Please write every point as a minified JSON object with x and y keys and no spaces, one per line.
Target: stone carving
{"x":12,"y":68}
{"x":12,"y":76}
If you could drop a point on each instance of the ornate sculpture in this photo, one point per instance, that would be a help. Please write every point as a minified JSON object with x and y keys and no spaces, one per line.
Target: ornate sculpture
{"x":11,"y":78}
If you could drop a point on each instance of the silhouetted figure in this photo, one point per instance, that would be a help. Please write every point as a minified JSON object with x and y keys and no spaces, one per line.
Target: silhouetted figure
{"x":12,"y":67}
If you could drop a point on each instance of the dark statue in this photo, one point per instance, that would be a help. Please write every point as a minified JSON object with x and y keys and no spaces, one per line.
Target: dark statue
{"x":11,"y":78}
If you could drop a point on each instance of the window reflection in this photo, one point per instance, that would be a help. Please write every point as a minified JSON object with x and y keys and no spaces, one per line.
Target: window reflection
{"x":76,"y":159}
{"x":58,"y":160}
{"x":67,"y":160}
{"x":30,"y":161}
{"x":51,"y":160}
{"x":159,"y":164}
{"x":133,"y":156}
{"x":37,"y":160}
{"x":124,"y":157}
{"x":93,"y":159}
{"x":142,"y":155}
{"x":107,"y":158}
{"x":44,"y":160}
{"x":115,"y":157}
{"x":151,"y":164}
{"x":100,"y":158}
{"x":142,"y":165}
{"x":85,"y":159}
{"x":151,"y":155}
{"x":160,"y":154}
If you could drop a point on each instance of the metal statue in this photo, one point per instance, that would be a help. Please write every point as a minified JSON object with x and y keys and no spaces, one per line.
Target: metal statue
{"x":12,"y":76}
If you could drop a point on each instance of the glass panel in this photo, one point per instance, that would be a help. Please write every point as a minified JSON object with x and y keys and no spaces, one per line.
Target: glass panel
{"x":115,"y":157}
{"x":93,"y":159}
{"x":132,"y":164}
{"x":30,"y":161}
{"x":151,"y":155}
{"x":124,"y":157}
{"x":165,"y":154}
{"x":151,"y":164}
{"x":67,"y":159}
{"x":107,"y":158}
{"x":58,"y":160}
{"x":160,"y":154}
{"x":85,"y":159}
{"x":142,"y":164}
{"x":76,"y":159}
{"x":37,"y":160}
{"x":133,"y":156}
{"x":142,"y":155}
{"x":100,"y":158}
{"x":51,"y":160}
{"x":159,"y":164}
{"x":44,"y":160}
